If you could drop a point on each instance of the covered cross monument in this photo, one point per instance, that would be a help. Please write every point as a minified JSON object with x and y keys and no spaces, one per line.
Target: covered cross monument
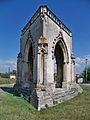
{"x":46,"y":63}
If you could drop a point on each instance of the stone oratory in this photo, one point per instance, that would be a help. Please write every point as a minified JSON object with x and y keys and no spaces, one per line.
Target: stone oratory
{"x":46,"y":63}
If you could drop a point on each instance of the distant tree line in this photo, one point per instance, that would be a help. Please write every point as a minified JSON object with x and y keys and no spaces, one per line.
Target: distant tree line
{"x":7,"y":75}
{"x":86,"y":74}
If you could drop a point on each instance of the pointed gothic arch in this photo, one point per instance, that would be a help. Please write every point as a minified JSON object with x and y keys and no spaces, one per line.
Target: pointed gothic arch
{"x":28,"y":59}
{"x":63,"y":45}
{"x":61,"y":57}
{"x":30,"y":62}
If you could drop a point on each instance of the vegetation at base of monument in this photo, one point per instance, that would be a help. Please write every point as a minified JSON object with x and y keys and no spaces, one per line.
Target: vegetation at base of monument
{"x":86,"y":74}
{"x":16,"y":108}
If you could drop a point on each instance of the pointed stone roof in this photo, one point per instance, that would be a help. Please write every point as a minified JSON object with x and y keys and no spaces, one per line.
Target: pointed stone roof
{"x":51,"y":15}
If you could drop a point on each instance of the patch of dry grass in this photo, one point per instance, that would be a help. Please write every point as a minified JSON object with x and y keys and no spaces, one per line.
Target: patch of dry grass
{"x":6,"y":81}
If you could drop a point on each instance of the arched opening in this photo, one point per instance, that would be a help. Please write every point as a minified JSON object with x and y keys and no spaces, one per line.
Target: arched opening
{"x":58,"y":66}
{"x":30,"y":62}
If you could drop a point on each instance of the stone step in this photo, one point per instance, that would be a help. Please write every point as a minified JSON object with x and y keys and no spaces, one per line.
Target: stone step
{"x":57,"y":97}
{"x":63,"y":95}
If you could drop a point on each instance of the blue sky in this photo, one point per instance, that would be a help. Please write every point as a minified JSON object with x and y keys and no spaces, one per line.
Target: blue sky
{"x":14,"y":14}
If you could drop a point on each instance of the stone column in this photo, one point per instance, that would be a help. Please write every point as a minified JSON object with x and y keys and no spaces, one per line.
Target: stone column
{"x":38,"y":67}
{"x":42,"y":69}
{"x":41,"y":62}
{"x":65,"y":72}
{"x":43,"y":65}
{"x":64,"y":75}
{"x":73,"y":68}
{"x":45,"y":69}
{"x":73,"y":73}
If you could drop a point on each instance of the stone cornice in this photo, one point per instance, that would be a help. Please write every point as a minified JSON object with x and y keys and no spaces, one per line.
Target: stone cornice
{"x":51,"y":15}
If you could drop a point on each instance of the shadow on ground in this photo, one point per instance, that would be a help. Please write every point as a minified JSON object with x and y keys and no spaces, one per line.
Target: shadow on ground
{"x":10,"y":89}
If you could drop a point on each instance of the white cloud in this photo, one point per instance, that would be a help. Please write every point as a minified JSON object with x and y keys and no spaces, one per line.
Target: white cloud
{"x":81,"y":63}
{"x":6,"y":64}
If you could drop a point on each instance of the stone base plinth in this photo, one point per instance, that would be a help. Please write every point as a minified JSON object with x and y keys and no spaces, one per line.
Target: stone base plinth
{"x":42,"y":99}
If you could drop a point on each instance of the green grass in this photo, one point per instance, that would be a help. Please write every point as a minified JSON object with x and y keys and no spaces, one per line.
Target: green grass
{"x":6,"y":81}
{"x":16,"y":108}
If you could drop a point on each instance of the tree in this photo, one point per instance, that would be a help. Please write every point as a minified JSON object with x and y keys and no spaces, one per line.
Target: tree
{"x":5,"y":75}
{"x":13,"y":72}
{"x":86,"y":74}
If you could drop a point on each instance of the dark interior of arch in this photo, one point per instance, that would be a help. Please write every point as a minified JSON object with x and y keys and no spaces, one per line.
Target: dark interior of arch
{"x":58,"y":75}
{"x":30,"y":63}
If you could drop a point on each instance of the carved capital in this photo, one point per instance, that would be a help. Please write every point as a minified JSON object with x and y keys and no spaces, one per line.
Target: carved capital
{"x":42,"y":45}
{"x":42,"y":40}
